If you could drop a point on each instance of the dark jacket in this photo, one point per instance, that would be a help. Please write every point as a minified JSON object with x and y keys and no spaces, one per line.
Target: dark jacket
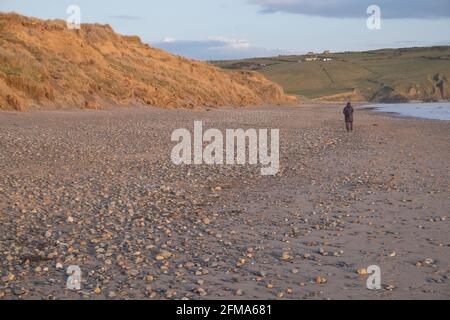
{"x":348,"y":112}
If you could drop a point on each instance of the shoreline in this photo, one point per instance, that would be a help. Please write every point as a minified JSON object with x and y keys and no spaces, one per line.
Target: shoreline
{"x":400,"y":113}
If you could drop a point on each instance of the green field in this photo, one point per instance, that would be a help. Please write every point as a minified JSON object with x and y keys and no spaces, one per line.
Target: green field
{"x":388,"y":74}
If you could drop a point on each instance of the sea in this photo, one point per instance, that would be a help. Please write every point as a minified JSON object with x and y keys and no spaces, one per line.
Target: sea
{"x":434,"y":110}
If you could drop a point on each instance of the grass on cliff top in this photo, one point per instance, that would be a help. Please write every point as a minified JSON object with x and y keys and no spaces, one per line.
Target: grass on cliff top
{"x":366,"y":71}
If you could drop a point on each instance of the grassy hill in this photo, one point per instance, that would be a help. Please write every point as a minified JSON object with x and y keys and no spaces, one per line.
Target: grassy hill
{"x":388,"y":75}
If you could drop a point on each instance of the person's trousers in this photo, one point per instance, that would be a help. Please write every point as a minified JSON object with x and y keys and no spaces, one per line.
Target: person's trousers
{"x":349,"y":125}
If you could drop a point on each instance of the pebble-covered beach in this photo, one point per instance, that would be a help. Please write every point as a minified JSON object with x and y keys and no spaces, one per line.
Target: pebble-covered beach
{"x":98,"y":189}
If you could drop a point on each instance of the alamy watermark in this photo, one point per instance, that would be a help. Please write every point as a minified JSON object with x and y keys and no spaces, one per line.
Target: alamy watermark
{"x":74,"y":20}
{"x":231,"y":149}
{"x":374,"y":20}
{"x":74,"y":278}
{"x":374,"y":280}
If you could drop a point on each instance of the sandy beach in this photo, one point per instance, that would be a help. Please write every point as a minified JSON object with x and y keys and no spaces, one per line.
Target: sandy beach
{"x":97,"y":189}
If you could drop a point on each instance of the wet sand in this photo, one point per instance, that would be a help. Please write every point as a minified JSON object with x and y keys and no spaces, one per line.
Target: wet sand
{"x":97,"y":189}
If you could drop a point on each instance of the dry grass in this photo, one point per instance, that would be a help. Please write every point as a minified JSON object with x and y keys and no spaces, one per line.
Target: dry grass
{"x":46,"y":65}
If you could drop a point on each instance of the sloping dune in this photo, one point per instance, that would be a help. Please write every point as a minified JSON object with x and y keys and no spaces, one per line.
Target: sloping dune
{"x":44,"y":65}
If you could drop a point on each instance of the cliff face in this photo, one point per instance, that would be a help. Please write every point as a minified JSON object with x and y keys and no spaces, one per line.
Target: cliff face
{"x":427,"y":91}
{"x":430,"y":89}
{"x":43,"y":64}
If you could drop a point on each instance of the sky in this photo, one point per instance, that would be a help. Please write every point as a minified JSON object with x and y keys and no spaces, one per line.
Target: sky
{"x":233,"y":29}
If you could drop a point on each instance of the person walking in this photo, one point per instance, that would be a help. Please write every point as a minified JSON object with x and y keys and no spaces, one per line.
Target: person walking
{"x":348,"y":113}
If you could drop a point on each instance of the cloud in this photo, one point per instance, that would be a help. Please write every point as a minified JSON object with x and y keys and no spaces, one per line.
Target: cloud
{"x":215,"y":48}
{"x":421,"y":9}
{"x":233,"y":43}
